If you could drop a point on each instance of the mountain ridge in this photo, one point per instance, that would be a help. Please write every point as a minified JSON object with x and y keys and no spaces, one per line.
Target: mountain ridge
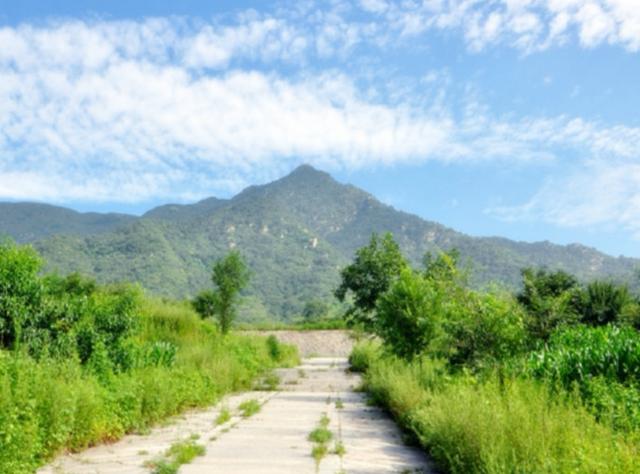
{"x":296,"y":232}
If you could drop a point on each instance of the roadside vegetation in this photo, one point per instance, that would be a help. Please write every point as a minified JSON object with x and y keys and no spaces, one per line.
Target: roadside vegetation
{"x":180,"y":453}
{"x":82,"y":363}
{"x":545,"y":380}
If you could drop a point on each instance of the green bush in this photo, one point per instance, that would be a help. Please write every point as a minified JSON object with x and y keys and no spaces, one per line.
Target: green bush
{"x":51,"y":404}
{"x":20,"y":291}
{"x":497,"y":425}
{"x":363,"y":354}
{"x":603,"y":302}
{"x":481,"y":329}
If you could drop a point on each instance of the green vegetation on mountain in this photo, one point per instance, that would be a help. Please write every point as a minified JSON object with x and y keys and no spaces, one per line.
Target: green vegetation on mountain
{"x":27,"y":222}
{"x":295,"y":233}
{"x":545,"y":380}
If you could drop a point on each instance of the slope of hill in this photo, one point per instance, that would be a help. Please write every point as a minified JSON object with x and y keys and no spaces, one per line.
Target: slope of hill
{"x":296,"y":234}
{"x":26,"y":221}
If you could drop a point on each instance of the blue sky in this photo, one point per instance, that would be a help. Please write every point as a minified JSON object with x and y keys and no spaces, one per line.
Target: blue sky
{"x":516,"y":118}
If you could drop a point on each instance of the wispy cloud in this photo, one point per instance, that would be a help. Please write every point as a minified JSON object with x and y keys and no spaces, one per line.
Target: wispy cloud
{"x":596,"y":194}
{"x":529,"y":25}
{"x":162,"y":108}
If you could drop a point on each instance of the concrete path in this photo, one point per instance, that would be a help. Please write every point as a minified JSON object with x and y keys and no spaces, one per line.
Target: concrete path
{"x":275,"y":440}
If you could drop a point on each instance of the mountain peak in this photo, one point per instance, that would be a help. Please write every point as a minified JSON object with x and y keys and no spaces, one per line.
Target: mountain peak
{"x":306,"y":171}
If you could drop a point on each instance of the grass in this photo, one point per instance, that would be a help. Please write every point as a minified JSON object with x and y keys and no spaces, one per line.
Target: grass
{"x":318,"y":452}
{"x":54,"y":405}
{"x":320,"y":435}
{"x":339,"y":404}
{"x":180,"y":453}
{"x":269,"y":382}
{"x":320,"y":438}
{"x":223,"y":416}
{"x":339,"y":449}
{"x":249,"y":408}
{"x":496,"y":424}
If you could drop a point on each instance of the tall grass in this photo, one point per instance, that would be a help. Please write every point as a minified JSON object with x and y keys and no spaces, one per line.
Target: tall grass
{"x":51,"y":405}
{"x":496,"y":425}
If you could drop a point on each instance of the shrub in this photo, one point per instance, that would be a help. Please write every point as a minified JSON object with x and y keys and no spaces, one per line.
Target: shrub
{"x":20,"y":291}
{"x":603,"y":302}
{"x":497,"y":425}
{"x":549,"y":299}
{"x":408,"y":314}
{"x":481,"y":329}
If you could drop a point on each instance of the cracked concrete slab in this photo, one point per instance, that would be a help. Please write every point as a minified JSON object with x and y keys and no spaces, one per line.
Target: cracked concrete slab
{"x":274,"y":440}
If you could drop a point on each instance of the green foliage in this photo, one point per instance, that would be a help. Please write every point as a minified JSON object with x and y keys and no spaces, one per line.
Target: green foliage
{"x":580,"y":353}
{"x":603,"y":302}
{"x":206,"y":303}
{"x":223,"y":416}
{"x":182,"y":452}
{"x":249,"y":408}
{"x":363,"y":353}
{"x":407,"y":314}
{"x":372,"y":272}
{"x":454,"y":371}
{"x":315,"y":310}
{"x":320,"y":435}
{"x":104,"y":361}
{"x":434,"y":312}
{"x":549,"y":299}
{"x":496,"y":425}
{"x":482,"y":329}
{"x":230,"y":275}
{"x":20,"y":291}
{"x":274,"y":226}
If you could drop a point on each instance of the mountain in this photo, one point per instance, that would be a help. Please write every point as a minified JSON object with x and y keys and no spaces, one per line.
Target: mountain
{"x":27,"y":221}
{"x":296,"y":233}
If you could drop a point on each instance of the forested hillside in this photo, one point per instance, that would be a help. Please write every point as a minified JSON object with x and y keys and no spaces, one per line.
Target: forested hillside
{"x":295,"y":233}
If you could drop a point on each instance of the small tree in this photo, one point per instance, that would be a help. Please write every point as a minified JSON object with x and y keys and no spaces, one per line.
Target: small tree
{"x":314,"y":310}
{"x":374,"y":269}
{"x":230,"y":275}
{"x":603,"y":302}
{"x":407,"y":314}
{"x":549,"y":300}
{"x":20,"y":291}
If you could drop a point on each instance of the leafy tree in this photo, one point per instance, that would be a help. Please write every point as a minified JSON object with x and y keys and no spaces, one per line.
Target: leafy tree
{"x":375,"y":268}
{"x":549,"y":299}
{"x":603,"y":302}
{"x":481,"y":327}
{"x":205,"y":304}
{"x":443,"y":267}
{"x":314,"y":310}
{"x":407,"y":314}
{"x":73,"y":284}
{"x":20,"y":291}
{"x":230,"y":275}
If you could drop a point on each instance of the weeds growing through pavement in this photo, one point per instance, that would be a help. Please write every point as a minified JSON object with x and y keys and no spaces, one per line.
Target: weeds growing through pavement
{"x":249,"y":407}
{"x":181,"y":452}
{"x":320,"y":438}
{"x":223,"y":416}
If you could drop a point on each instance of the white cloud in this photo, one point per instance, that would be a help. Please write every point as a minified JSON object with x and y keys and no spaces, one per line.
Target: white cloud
{"x":171,"y":109}
{"x":599,"y":193}
{"x":529,"y":25}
